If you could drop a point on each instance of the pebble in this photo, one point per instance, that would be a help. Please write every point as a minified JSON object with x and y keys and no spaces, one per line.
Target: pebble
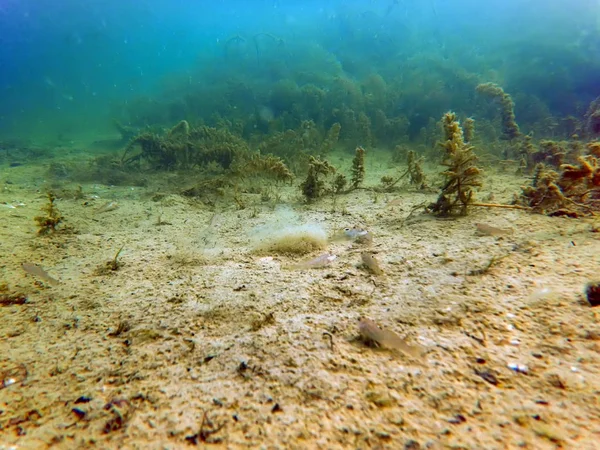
{"x":592,"y":293}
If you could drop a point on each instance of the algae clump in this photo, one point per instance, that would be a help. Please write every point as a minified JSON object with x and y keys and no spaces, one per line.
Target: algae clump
{"x":461,"y":175}
{"x":49,"y":222}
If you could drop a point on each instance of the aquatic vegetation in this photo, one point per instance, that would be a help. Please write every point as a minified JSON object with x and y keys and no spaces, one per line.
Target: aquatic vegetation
{"x":313,"y":186}
{"x":294,"y":145}
{"x":592,"y":118}
{"x":414,"y":171}
{"x":510,"y":129}
{"x":185,"y":148}
{"x":461,"y":174}
{"x":573,"y":191}
{"x":593,"y":149}
{"x":52,"y":219}
{"x":267,"y":166}
{"x":557,"y":153}
{"x":331,"y":139}
{"x":339,"y":183}
{"x":110,"y":266}
{"x":469,"y":129}
{"x":526,"y":151}
{"x":416,"y":175}
{"x":127,"y":132}
{"x":358,"y":167}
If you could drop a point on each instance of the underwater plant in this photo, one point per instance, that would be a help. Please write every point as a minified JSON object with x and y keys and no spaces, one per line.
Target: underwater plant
{"x":127,"y":132}
{"x":526,"y":151}
{"x":461,"y":175}
{"x":592,"y":118}
{"x":313,"y":186}
{"x":331,"y":139}
{"x":469,"y":129}
{"x":183,"y":148}
{"x":267,"y":166}
{"x":415,"y":171}
{"x":572,"y":192}
{"x":510,"y":129}
{"x":358,"y":167}
{"x":49,"y":222}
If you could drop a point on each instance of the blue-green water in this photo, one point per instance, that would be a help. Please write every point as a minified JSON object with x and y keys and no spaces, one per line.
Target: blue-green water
{"x":69,"y":68}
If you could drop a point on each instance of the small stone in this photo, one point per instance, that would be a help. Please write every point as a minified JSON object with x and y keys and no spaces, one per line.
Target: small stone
{"x":412,"y":445}
{"x":556,"y":381}
{"x":592,"y":293}
{"x":379,"y":397}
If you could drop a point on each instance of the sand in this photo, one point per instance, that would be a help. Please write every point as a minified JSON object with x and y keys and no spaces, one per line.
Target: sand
{"x":196,"y":340}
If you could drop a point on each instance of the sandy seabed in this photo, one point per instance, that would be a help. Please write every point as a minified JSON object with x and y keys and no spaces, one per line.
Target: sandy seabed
{"x":196,"y":340}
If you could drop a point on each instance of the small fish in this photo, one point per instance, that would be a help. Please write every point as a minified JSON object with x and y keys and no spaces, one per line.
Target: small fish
{"x":488,"y":230}
{"x":315,"y":263}
{"x":39,"y":272}
{"x":13,"y":205}
{"x":387,"y":339}
{"x":395,"y":202}
{"x":108,"y":206}
{"x":359,"y":235}
{"x":370,"y":263}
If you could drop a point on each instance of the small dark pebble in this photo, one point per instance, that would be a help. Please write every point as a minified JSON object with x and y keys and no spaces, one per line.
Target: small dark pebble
{"x":242,"y":367}
{"x":412,"y":445}
{"x":487,"y":376}
{"x":276,"y":408}
{"x":592,"y":293}
{"x":542,"y":402}
{"x":80,"y":413}
{"x":459,"y":418}
{"x":193,"y":439}
{"x":480,"y":361}
{"x":83,"y":399}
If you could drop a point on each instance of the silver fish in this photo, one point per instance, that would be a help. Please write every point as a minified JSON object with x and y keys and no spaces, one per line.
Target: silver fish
{"x":39,"y":272}
{"x":315,"y":263}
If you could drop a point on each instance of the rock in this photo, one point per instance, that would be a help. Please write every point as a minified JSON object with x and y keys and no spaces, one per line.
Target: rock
{"x":592,"y":293}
